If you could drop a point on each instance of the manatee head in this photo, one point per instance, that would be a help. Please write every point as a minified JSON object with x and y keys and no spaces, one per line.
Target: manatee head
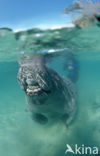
{"x":34,"y":78}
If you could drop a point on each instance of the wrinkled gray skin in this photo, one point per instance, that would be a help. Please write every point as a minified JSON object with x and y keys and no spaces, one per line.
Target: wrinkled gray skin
{"x":49,"y":96}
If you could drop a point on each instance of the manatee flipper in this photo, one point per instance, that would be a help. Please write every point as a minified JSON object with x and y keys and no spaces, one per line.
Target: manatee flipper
{"x":72,"y":66}
{"x":67,"y":119}
{"x":40,"y":118}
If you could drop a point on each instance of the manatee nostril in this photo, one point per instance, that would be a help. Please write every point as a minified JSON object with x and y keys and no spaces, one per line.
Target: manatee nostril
{"x":31,"y":82}
{"x":35,"y":84}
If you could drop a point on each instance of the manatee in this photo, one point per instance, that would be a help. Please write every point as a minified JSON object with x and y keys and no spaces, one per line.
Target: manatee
{"x":49,"y":96}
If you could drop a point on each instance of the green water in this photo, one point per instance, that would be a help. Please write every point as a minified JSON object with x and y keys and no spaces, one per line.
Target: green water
{"x":19,"y":134}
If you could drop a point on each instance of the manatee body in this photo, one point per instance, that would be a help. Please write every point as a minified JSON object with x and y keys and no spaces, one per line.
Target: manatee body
{"x":49,"y":96}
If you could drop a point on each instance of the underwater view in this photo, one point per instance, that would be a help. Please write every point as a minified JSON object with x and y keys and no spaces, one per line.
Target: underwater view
{"x":50,"y":89}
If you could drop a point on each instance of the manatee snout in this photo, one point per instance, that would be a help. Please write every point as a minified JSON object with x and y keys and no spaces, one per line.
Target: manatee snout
{"x":34,"y":80}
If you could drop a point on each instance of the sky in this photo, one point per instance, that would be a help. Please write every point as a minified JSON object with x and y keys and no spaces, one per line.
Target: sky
{"x":25,"y":14}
